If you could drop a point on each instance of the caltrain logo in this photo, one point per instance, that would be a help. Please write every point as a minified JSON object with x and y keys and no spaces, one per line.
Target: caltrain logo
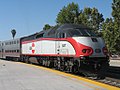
{"x":32,"y":48}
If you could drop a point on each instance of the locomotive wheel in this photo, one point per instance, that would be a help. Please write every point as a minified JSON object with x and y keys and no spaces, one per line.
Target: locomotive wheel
{"x":51,"y":64}
{"x":57,"y":64}
{"x":26,"y":60}
{"x":38,"y":62}
{"x":75,"y":69}
{"x":16,"y":60}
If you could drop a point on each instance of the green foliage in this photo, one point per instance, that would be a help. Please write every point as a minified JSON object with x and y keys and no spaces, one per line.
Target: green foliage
{"x":68,"y":14}
{"x":71,"y":14}
{"x":91,"y":17}
{"x":111,"y":29}
{"x":117,"y":29}
{"x":116,"y":18}
{"x":110,"y":35}
{"x":116,"y":11}
{"x":46,"y":27}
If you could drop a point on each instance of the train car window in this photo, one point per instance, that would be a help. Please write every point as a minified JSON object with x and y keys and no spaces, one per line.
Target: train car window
{"x":5,"y":50}
{"x":2,"y":50}
{"x":51,"y":32}
{"x":14,"y":42}
{"x":63,"y":35}
{"x":58,"y":35}
{"x":81,"y":32}
{"x":89,"y":32}
{"x":74,"y":33}
{"x":17,"y":42}
{"x":14,"y":50}
{"x":18,"y":51}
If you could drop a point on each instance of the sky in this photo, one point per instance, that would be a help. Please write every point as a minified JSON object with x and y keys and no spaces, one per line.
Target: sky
{"x":30,"y":16}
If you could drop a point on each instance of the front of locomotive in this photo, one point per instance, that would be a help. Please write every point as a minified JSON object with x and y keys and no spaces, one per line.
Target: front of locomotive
{"x":91,"y":49}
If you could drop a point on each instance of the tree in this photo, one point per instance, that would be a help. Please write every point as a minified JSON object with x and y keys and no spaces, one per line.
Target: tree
{"x":91,"y":17}
{"x":13,"y":31}
{"x":111,"y":29}
{"x":116,"y":11}
{"x":117,"y":31}
{"x":68,"y":14}
{"x":116,"y":18}
{"x":110,"y":35}
{"x":46,"y":27}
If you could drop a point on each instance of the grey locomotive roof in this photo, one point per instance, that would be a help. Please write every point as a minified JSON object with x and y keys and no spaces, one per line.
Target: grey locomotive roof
{"x":63,"y":28}
{"x":53,"y":32}
{"x":72,"y":26}
{"x":10,"y":40}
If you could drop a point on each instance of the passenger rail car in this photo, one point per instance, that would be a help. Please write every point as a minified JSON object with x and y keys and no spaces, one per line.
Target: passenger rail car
{"x":0,"y":49}
{"x":68,"y":47}
{"x":10,"y":49}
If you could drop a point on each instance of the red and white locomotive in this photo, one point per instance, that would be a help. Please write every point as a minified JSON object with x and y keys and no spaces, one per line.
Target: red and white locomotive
{"x":68,"y":47}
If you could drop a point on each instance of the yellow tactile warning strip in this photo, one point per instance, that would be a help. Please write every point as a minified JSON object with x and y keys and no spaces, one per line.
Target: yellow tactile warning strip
{"x":96,"y":85}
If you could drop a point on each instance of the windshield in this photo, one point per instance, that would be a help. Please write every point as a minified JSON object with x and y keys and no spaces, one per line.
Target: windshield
{"x":82,"y":32}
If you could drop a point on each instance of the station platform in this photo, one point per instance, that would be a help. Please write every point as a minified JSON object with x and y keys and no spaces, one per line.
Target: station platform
{"x":20,"y":76}
{"x":115,"y":62}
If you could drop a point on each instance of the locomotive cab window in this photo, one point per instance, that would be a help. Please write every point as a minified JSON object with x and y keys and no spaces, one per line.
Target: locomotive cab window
{"x":62,"y":35}
{"x":82,"y":32}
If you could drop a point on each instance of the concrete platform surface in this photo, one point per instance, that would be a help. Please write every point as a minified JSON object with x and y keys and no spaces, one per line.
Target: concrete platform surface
{"x":115,"y":63}
{"x":19,"y":76}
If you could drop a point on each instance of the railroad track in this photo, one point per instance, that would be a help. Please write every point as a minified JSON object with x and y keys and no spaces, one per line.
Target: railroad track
{"x":107,"y":80}
{"x":112,"y":77}
{"x":114,"y":69}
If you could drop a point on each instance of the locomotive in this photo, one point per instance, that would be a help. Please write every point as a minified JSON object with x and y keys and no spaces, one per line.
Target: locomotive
{"x":69,"y":47}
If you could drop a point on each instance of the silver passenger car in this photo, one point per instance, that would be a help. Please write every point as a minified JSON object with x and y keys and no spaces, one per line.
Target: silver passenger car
{"x":10,"y":49}
{"x":0,"y":49}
